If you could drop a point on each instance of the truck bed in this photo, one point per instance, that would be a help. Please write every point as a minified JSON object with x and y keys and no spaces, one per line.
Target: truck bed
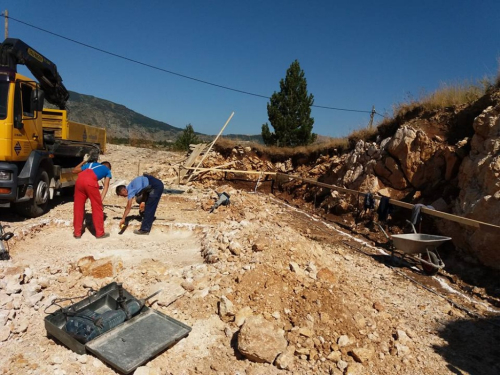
{"x":70,"y":132}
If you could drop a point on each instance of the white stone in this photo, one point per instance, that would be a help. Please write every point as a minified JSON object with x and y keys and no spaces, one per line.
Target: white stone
{"x":343,"y":341}
{"x":4,"y":333}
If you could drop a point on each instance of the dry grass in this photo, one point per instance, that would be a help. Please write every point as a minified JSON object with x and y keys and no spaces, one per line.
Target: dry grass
{"x":497,"y":79}
{"x":339,"y":145}
{"x":447,"y":95}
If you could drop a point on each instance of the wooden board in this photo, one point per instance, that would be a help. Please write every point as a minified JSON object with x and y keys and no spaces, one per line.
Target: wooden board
{"x":198,"y":149}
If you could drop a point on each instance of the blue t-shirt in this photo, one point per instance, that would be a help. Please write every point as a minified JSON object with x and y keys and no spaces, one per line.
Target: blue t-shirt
{"x":100,"y":170}
{"x":136,"y":185}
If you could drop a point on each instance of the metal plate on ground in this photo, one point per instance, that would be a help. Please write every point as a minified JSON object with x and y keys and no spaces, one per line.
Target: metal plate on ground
{"x":136,"y":341}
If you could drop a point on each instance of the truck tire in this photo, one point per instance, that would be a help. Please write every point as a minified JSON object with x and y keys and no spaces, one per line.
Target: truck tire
{"x":39,"y":204}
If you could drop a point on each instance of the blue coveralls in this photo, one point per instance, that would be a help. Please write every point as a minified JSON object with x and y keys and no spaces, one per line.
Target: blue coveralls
{"x":152,"y":201}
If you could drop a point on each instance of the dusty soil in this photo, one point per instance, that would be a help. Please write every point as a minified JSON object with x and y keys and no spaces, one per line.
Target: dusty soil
{"x":313,"y":279}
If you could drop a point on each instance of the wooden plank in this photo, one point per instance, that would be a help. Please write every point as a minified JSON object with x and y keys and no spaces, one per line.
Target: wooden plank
{"x":215,"y":169}
{"x":443,"y":215}
{"x":212,"y":144}
{"x":192,"y":158}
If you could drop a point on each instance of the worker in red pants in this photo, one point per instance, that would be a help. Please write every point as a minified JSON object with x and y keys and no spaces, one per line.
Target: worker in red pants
{"x":86,"y":186}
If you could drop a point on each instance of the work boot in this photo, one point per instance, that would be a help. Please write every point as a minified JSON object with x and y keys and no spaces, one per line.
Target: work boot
{"x":140,"y":231}
{"x":105,"y":235}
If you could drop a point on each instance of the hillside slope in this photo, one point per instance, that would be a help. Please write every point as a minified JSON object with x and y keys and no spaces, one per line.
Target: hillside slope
{"x":447,"y":158}
{"x":118,"y":120}
{"x":127,"y":125}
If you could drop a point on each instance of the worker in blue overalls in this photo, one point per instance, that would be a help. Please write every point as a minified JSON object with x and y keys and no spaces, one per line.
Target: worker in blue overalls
{"x":145,"y":189}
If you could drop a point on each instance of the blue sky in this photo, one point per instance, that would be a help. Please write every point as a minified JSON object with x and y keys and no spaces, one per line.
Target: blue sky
{"x":354,"y":54}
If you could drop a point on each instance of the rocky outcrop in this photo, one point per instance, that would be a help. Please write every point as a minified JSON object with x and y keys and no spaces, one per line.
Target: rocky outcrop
{"x":479,"y":182}
{"x":415,"y":162}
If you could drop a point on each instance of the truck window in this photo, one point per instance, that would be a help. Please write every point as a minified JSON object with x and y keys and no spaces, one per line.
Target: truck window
{"x":26,"y":92}
{"x":4,"y":95}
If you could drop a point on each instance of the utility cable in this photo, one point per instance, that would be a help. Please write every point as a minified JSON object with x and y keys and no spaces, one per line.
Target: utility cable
{"x":169,"y":71}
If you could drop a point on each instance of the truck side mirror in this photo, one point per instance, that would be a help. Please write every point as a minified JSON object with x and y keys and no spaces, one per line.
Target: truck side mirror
{"x":18,"y":122}
{"x":37,"y":99}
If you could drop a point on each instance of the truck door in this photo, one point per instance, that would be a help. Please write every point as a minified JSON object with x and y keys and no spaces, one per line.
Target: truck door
{"x":27,"y":133}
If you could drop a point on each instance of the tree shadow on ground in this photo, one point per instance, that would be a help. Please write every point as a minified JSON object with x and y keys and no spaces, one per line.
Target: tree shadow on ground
{"x":472,"y":346}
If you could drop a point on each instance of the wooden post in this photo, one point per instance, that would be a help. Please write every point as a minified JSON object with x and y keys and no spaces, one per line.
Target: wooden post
{"x":215,"y":140}
{"x":370,"y":125}
{"x":6,"y":15}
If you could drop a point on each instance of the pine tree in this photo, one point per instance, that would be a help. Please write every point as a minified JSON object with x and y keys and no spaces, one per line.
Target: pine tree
{"x":186,"y":138}
{"x":289,"y":112}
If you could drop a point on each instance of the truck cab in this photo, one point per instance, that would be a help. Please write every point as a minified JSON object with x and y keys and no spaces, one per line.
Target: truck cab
{"x":21,"y":133}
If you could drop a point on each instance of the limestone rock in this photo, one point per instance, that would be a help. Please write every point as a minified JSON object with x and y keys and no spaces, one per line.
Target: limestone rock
{"x":260,"y":245}
{"x":479,"y":181}
{"x":362,"y":355}
{"x":285,"y":360}
{"x":307,"y":332}
{"x":242,"y":315}
{"x":402,"y":337}
{"x":100,"y":268}
{"x":355,"y":369}
{"x":342,"y":365}
{"x":401,"y":350}
{"x":235,"y":248}
{"x":343,"y":341}
{"x":334,"y":356}
{"x":260,"y":340}
{"x":4,"y":333}
{"x":226,"y":309}
{"x":13,"y":287}
{"x":187,"y":286}
{"x":294,"y":267}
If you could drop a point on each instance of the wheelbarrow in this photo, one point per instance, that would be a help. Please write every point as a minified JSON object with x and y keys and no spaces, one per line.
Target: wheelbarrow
{"x":420,"y":247}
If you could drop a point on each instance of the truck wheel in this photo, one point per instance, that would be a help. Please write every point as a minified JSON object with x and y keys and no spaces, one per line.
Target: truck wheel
{"x":40,"y":203}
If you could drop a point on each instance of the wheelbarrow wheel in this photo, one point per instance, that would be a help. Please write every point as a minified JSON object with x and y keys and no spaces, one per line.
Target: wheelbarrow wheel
{"x":430,"y":257}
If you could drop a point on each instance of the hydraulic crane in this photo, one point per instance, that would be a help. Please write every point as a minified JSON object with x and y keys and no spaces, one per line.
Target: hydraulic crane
{"x":38,"y":147}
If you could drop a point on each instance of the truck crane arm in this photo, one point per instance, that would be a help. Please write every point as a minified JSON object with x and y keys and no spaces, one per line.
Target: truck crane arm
{"x":14,"y":52}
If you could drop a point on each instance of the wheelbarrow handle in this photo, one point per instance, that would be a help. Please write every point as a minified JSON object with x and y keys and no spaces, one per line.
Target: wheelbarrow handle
{"x":413,"y":226}
{"x":383,"y":231}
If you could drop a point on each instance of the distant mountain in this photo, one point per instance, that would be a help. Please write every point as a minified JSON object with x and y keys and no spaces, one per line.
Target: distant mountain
{"x":123,"y":123}
{"x":118,"y":120}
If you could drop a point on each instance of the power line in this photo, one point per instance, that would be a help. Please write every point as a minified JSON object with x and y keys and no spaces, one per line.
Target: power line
{"x":169,"y":71}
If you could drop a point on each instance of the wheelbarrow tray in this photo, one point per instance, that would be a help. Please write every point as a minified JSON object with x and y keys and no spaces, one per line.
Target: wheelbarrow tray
{"x":416,"y":243}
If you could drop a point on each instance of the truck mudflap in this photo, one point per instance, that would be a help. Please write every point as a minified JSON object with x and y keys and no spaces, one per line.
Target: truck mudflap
{"x":30,"y":170}
{"x":8,"y":182}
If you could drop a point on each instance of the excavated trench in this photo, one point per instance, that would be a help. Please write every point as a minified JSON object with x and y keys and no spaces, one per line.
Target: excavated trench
{"x":470,"y":286}
{"x":168,"y":244}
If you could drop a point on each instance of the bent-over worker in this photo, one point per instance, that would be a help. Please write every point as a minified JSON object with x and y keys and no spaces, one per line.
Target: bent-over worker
{"x":86,"y":186}
{"x":151,"y":203}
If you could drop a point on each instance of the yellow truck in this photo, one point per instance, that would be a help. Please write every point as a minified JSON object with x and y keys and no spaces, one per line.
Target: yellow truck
{"x":38,"y":147}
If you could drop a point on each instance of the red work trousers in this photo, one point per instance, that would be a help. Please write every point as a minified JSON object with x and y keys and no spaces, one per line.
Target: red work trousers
{"x":86,"y":186}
